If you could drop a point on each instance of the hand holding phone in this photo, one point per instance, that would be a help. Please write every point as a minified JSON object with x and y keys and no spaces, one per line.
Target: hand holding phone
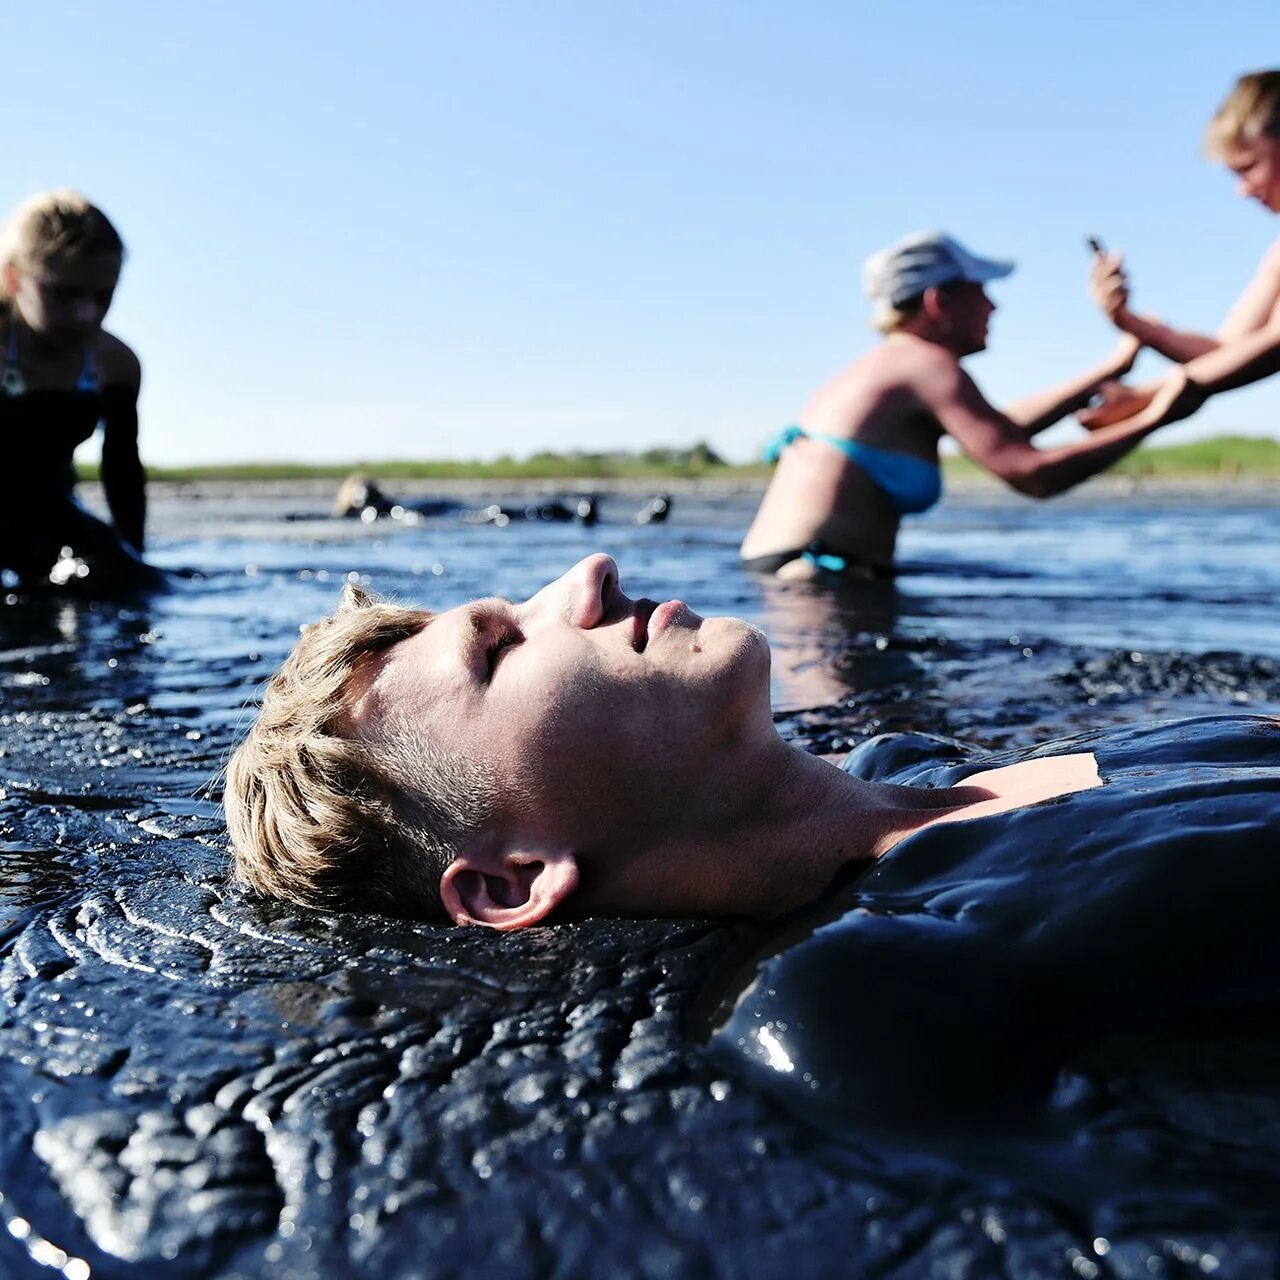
{"x":1108,"y":284}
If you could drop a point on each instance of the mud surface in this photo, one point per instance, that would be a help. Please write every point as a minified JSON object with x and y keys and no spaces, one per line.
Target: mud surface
{"x":195,"y":1083}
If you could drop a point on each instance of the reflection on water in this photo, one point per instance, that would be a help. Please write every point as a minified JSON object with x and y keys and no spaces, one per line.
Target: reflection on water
{"x":196,"y":1083}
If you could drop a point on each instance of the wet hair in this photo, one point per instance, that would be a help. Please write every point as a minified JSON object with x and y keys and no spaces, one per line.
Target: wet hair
{"x":331,"y":814}
{"x":56,"y":226}
{"x":1251,"y":111}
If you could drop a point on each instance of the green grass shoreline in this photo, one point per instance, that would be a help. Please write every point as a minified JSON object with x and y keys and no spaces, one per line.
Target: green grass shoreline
{"x":1220,"y":457}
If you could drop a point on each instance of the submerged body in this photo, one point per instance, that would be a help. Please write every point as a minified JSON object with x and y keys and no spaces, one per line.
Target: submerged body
{"x":1018,"y":938}
{"x":828,"y":488}
{"x":865,"y":453}
{"x":517,"y":763}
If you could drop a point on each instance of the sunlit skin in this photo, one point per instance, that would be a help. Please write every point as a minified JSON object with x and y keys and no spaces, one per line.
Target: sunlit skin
{"x":61,"y":309}
{"x":1256,"y":164}
{"x":1246,"y":346}
{"x":640,"y":770}
{"x":904,"y":395}
{"x":63,"y":305}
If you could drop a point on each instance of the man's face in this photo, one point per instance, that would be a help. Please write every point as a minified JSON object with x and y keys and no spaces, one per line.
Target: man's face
{"x":969,"y":310}
{"x":1256,"y":164}
{"x":66,"y":302}
{"x":593,"y":712}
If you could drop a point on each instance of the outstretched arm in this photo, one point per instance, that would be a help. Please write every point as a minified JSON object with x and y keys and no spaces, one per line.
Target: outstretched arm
{"x":1250,"y":358}
{"x":1036,"y":412}
{"x":994,"y":442}
{"x":1234,"y":365}
{"x":1109,"y":288}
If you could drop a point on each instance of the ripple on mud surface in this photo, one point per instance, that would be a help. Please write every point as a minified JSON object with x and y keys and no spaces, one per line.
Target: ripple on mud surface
{"x":198,"y":1083}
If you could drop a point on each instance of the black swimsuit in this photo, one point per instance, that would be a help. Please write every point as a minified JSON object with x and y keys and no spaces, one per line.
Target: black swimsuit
{"x":40,"y":516}
{"x":830,"y":563}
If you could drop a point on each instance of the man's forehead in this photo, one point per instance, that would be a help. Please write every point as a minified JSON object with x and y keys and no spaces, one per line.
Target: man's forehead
{"x":380,"y":684}
{"x":363,"y":692}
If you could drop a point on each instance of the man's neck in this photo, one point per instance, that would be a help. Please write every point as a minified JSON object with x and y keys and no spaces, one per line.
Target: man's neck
{"x":802,"y":820}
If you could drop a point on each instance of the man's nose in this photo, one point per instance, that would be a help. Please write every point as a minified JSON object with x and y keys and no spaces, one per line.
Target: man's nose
{"x":582,"y":596}
{"x":594,"y":580}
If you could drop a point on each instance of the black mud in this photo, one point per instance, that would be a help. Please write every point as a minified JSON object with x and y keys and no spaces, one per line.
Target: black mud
{"x":195,"y":1083}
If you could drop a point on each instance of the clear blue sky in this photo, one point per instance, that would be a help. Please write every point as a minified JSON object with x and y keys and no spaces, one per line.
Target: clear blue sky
{"x":442,"y":230}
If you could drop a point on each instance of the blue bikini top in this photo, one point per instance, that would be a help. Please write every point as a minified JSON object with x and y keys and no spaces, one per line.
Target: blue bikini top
{"x":912,"y":484}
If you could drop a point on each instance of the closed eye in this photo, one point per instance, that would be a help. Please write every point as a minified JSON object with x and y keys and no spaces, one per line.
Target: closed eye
{"x":494,"y":653}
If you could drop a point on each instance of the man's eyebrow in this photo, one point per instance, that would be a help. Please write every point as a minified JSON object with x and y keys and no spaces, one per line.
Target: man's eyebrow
{"x":476,"y":619}
{"x":478,"y":612}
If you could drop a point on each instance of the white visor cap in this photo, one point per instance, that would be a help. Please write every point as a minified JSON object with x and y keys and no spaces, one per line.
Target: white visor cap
{"x":924,"y":260}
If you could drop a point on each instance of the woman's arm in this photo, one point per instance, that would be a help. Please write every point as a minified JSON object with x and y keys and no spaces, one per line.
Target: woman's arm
{"x":1236,"y":364}
{"x":124,"y":482}
{"x":1109,"y":288}
{"x":994,"y":442}
{"x":1250,"y":358}
{"x":1036,"y":412}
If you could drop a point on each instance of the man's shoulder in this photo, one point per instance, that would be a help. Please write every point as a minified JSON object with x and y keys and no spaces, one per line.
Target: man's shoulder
{"x":907,"y":363}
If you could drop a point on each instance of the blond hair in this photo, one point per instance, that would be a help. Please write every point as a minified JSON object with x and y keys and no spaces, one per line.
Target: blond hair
{"x":1251,"y":111}
{"x":59,"y":225}
{"x":887,"y":318}
{"x":329,"y":816}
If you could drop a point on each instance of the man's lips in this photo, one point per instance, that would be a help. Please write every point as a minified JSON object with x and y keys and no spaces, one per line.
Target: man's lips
{"x":651,"y":619}
{"x":640,"y":624}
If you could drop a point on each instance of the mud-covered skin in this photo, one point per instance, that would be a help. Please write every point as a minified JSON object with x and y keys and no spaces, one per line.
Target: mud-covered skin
{"x":195,"y":1083}
{"x":1021,"y":939}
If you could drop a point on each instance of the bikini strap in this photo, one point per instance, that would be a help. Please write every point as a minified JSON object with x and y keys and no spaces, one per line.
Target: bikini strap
{"x":788,"y":435}
{"x":88,"y":380}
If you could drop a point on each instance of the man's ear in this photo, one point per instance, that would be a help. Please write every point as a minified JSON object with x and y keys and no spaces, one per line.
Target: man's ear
{"x":933,"y":304}
{"x":505,"y":889}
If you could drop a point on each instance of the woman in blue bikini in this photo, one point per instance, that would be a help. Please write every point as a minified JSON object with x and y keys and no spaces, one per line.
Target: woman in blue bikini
{"x":866,"y":450}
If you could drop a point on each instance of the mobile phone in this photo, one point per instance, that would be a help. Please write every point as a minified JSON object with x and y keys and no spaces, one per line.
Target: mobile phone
{"x":1095,"y":244}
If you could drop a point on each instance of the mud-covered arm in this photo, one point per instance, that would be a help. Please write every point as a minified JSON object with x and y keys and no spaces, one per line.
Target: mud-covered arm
{"x":124,"y":482}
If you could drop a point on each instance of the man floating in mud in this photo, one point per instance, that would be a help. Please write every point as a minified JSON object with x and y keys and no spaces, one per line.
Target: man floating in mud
{"x":580,"y":753}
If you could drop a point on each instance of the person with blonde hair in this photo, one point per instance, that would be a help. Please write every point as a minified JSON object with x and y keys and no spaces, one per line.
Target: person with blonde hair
{"x":62,"y":376}
{"x":508,"y":764}
{"x":865,"y":451}
{"x":1244,"y":135}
